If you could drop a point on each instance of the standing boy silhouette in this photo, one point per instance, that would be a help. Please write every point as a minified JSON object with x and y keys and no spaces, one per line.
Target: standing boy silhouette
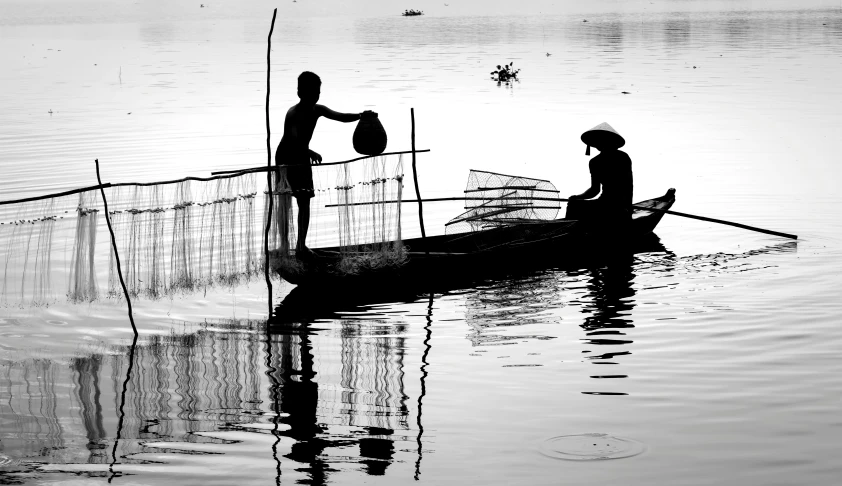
{"x":294,"y":149}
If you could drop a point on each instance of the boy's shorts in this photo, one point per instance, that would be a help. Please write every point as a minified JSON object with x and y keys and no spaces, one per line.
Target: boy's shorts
{"x":300,"y":178}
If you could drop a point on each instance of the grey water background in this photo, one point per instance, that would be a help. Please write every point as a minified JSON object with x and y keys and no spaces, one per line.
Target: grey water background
{"x":719,"y":351}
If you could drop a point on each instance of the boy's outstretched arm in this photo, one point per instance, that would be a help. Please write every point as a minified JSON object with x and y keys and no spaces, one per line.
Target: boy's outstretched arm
{"x":326,"y":112}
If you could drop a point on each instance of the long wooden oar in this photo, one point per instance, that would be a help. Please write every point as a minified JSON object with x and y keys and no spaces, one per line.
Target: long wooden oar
{"x":561,"y":199}
{"x":720,"y":221}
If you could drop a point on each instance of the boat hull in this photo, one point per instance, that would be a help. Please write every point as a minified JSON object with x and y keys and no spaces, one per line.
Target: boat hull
{"x":482,"y":254}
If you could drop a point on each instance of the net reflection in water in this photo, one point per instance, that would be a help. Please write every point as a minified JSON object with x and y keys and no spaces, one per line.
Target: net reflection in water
{"x":210,"y":379}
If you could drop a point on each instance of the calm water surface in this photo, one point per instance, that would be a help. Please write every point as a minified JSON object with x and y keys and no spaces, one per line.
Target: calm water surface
{"x":717,"y":348}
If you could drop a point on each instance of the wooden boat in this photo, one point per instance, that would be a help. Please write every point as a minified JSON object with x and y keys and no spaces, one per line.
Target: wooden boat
{"x":533,"y":243}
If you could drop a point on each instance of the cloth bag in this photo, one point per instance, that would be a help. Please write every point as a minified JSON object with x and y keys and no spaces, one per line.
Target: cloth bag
{"x":369,"y":136}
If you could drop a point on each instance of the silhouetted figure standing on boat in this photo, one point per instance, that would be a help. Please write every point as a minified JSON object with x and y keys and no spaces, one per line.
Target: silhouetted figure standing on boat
{"x":294,"y":149}
{"x":611,"y":179}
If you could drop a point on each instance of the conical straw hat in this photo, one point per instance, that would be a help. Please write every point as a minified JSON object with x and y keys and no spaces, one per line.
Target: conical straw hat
{"x":603,"y":136}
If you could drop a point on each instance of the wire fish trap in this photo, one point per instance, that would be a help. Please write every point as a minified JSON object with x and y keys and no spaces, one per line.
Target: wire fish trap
{"x":494,"y":200}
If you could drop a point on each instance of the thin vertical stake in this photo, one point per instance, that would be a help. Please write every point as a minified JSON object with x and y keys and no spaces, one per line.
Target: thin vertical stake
{"x":121,"y":410}
{"x":415,"y":179}
{"x":269,"y":165}
{"x":114,"y":245}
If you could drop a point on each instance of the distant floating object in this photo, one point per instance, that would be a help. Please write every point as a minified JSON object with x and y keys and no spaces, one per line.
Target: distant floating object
{"x":201,"y":5}
{"x":625,"y":92}
{"x":584,"y":21}
{"x":548,"y":54}
{"x":694,"y":67}
{"x":412,"y":13}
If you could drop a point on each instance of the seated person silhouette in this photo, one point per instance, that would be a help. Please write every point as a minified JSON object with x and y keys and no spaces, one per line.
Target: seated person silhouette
{"x":294,"y":148}
{"x":611,"y":179}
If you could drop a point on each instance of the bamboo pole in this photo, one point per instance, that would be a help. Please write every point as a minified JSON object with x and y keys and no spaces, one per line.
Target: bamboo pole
{"x":527,"y":188}
{"x":114,"y":245}
{"x":227,"y":174}
{"x":55,"y":194}
{"x":415,"y":178}
{"x":122,"y":184}
{"x":440,"y":199}
{"x":261,"y":169}
{"x":268,"y":165}
{"x":561,"y":199}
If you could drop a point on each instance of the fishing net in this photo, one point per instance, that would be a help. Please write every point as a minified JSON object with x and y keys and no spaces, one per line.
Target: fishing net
{"x":494,"y":200}
{"x":356,"y":211}
{"x":368,"y":208}
{"x":184,"y":236}
{"x":187,"y":235}
{"x":48,"y":242}
{"x":171,"y":237}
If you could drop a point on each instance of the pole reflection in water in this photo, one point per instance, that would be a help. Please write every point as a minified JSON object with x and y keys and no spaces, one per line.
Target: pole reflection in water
{"x":121,"y":409}
{"x":428,"y":334}
{"x":272,"y":373}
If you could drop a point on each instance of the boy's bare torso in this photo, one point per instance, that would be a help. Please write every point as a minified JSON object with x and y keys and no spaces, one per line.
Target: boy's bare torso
{"x":299,"y":125}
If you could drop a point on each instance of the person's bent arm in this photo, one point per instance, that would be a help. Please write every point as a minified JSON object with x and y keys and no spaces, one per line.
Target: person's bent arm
{"x":592,"y":191}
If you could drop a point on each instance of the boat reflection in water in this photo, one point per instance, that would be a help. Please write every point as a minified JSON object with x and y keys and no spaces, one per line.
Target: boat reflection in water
{"x":611,"y":295}
{"x":600,"y":283}
{"x":604,"y":291}
{"x":328,"y":396}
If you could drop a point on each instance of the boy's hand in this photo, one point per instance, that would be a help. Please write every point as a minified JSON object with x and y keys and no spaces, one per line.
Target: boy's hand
{"x":315,"y":158}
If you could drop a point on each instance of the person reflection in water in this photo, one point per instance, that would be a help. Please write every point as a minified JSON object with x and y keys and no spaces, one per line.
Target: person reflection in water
{"x":610,"y":287}
{"x":611,"y":179}
{"x":294,"y":370}
{"x":294,"y":149}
